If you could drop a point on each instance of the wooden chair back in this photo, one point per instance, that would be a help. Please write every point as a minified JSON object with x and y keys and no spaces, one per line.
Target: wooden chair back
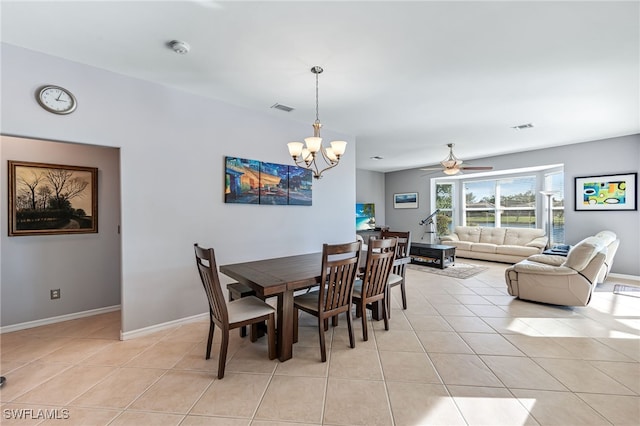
{"x":380,"y":256}
{"x":339,"y":270}
{"x":206,"y":262}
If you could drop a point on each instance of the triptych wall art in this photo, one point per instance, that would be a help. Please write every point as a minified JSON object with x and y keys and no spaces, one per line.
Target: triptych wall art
{"x":258,"y":182}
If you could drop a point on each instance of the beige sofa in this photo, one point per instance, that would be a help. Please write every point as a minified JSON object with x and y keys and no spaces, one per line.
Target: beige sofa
{"x":571,"y":283}
{"x":508,"y":245}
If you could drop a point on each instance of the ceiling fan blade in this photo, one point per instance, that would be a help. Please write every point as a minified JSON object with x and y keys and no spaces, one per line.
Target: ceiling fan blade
{"x":431,"y":168}
{"x":476,"y":168}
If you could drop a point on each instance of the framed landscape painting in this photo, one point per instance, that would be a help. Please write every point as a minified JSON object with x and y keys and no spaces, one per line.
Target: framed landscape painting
{"x":46,"y":199}
{"x":407,"y":200}
{"x":606,"y":193}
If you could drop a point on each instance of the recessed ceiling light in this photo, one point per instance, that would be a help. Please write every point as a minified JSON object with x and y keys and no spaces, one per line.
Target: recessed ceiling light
{"x":180,"y":47}
{"x":376,"y":157}
{"x":523,"y":126}
{"x":282,"y":107}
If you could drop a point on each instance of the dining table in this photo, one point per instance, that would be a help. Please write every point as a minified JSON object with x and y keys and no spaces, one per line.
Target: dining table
{"x":282,"y":277}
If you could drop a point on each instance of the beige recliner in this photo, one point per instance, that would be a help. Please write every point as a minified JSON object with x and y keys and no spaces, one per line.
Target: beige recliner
{"x":570,"y":283}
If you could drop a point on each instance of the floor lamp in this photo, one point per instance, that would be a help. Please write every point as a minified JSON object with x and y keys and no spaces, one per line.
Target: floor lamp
{"x":549,"y":227}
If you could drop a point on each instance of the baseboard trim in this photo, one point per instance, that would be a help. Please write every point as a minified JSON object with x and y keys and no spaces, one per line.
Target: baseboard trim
{"x":61,"y":318}
{"x":624,"y":276}
{"x":162,"y":326}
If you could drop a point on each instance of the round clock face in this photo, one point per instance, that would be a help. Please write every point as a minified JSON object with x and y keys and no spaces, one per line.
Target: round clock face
{"x":56,"y":99}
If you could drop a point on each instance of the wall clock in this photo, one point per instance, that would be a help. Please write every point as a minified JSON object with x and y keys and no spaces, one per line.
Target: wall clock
{"x":56,"y":99}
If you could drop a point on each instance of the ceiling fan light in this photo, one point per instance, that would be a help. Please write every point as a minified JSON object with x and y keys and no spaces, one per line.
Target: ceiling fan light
{"x":451,"y":171}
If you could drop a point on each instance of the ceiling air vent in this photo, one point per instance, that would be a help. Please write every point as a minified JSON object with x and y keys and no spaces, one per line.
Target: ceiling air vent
{"x":282,"y":107}
{"x":523,"y":126}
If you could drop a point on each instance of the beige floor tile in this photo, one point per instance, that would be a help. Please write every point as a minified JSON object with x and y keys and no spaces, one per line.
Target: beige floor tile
{"x":138,"y":418}
{"x":627,"y":346}
{"x":308,"y":335}
{"x":463,"y":369}
{"x":522,"y":373}
{"x":175,"y":392}
{"x":277,"y":423}
{"x":511,"y":325}
{"x":429,"y":323}
{"x":627,"y":373}
{"x":408,"y":367}
{"x":469,"y":325}
{"x":250,"y":358}
{"x":340,"y":340}
{"x":117,"y":354}
{"x":297,"y":399}
{"x":443,"y":342}
{"x":356,"y":402}
{"x":236,"y":395}
{"x":591,"y":349}
{"x":32,"y":348}
{"x":67,"y":386}
{"x":397,"y":340}
{"x":192,"y":332}
{"x":619,"y":410}
{"x":357,"y":363}
{"x":195,"y":359}
{"x":76,"y":350}
{"x":306,"y":361}
{"x":422,"y":404}
{"x":28,"y":377}
{"x":488,"y":311}
{"x":214,"y":421}
{"x":537,"y":346}
{"x":161,"y":355}
{"x":454,"y":309}
{"x":119,"y":389}
{"x":490,"y":344}
{"x":84,"y":417}
{"x":582,"y":376}
{"x":490,"y":406}
{"x":558,"y":408}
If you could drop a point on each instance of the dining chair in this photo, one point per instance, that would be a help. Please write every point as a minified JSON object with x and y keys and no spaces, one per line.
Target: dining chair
{"x":374,"y":286}
{"x":231,"y":315}
{"x":333,"y":296}
{"x":402,"y":259}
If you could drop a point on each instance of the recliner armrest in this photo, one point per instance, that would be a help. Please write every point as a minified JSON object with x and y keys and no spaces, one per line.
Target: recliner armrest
{"x":527,"y":267}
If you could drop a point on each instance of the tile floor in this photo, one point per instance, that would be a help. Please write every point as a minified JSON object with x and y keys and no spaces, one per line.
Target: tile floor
{"x":464,"y":353}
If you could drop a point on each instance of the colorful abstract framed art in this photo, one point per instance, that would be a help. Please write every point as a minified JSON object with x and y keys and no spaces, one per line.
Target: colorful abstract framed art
{"x":607,"y":192}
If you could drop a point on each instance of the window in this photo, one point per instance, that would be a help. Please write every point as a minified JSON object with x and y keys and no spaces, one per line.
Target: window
{"x":444,"y":202}
{"x":501,"y":202}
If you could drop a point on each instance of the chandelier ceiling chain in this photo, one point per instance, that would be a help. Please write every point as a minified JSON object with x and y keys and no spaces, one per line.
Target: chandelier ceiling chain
{"x":305,"y":155}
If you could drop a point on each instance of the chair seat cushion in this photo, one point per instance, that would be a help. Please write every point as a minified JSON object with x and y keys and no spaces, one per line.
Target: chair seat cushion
{"x":308,"y":300}
{"x":247,"y":308}
{"x":393,"y":279}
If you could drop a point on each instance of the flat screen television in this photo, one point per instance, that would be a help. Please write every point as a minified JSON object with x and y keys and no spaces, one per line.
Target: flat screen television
{"x":365,"y":216}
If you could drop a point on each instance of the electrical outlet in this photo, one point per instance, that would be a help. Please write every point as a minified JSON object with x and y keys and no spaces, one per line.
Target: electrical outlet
{"x":55,"y":294}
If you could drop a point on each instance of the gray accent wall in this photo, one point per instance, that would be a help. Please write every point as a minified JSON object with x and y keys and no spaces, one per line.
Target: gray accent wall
{"x":172,"y":146}
{"x":601,"y":157}
{"x":370,"y":189}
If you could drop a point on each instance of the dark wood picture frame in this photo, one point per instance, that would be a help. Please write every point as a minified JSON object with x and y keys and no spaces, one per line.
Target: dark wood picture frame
{"x":50,"y":199}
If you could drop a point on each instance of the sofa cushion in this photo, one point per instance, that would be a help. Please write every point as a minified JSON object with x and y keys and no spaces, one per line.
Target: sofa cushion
{"x":581,"y":254}
{"x":468,"y":233}
{"x":518,"y":250}
{"x":484,"y":247}
{"x":521,"y":236}
{"x":459,"y":245}
{"x":492,"y":235}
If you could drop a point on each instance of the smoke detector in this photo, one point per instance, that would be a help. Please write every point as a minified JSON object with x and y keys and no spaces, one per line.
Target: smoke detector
{"x":180,"y":47}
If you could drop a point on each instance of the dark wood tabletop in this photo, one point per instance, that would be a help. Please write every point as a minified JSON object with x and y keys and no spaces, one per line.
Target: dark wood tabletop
{"x":281,"y":277}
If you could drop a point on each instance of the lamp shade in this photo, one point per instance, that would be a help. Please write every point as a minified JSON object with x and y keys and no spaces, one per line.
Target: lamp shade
{"x":295,"y":148}
{"x":338,"y":147}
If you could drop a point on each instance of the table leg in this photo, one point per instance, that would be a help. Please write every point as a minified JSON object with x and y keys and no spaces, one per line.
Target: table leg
{"x":376,"y":310}
{"x":285,"y":325}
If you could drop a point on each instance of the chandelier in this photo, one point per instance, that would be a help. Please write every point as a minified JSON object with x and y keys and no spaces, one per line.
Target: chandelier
{"x":306,"y":155}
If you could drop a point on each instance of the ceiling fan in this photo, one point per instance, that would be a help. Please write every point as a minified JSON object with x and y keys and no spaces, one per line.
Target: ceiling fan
{"x":452,"y":165}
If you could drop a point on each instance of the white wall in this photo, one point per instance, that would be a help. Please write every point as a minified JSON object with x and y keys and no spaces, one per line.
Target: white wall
{"x":172,"y":147}
{"x":602,"y":157}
